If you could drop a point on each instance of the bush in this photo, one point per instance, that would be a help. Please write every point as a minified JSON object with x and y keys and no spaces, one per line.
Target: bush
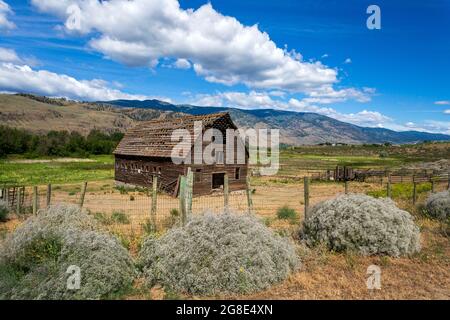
{"x":35,"y":258}
{"x":438,"y":205}
{"x":286,"y":213}
{"x":3,"y":210}
{"x":362,"y":224}
{"x":215,"y":254}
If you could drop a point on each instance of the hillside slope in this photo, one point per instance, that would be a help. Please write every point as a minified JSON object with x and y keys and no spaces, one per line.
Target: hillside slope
{"x":38,"y":115}
{"x":296,"y":127}
{"x":41,"y":114}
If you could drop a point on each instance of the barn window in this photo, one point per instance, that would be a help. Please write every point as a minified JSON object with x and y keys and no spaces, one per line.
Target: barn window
{"x":198,"y":175}
{"x":237,"y":173}
{"x":159,"y":170}
{"x":154,"y":169}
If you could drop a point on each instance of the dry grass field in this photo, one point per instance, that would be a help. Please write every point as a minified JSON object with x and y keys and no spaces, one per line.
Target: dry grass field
{"x":323,"y":275}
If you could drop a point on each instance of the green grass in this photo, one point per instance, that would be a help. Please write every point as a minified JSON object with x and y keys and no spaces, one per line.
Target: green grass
{"x":56,"y":172}
{"x":286,"y":213}
{"x":292,"y":162}
{"x":120,"y":217}
{"x":401,"y":190}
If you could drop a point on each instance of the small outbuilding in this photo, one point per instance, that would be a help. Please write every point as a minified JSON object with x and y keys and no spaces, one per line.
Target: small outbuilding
{"x":147,"y":151}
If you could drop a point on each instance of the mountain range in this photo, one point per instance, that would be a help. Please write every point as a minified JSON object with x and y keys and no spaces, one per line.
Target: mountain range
{"x":296,"y":128}
{"x":41,"y":114}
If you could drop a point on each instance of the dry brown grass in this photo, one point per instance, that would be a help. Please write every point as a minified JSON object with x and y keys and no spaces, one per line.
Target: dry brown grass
{"x":324,"y":275}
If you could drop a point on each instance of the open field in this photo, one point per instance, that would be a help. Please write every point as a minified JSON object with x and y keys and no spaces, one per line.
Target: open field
{"x":293,"y":162}
{"x":42,"y":171}
{"x":323,"y":275}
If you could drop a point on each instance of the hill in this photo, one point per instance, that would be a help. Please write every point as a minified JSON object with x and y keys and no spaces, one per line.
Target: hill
{"x":296,"y":128}
{"x":41,"y":114}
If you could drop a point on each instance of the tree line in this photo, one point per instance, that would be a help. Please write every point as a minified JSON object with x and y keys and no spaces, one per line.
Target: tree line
{"x":56,"y":143}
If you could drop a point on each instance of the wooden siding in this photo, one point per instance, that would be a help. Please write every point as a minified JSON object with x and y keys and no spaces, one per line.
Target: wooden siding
{"x":139,"y":171}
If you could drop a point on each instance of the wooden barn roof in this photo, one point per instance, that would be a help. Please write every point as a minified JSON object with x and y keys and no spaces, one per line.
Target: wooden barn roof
{"x":153,"y":138}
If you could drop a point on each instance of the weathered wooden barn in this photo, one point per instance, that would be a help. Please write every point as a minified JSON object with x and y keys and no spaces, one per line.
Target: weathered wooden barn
{"x":146,"y":151}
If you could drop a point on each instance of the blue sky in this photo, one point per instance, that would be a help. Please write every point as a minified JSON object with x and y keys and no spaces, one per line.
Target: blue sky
{"x":315,"y":56}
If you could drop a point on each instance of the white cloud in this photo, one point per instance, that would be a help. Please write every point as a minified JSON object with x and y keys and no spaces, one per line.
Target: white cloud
{"x":325,"y":56}
{"x":364,"y":118}
{"x":431,"y":126}
{"x":277,"y":93}
{"x":22,"y":78}
{"x":182,"y":64}
{"x":5,"y":10}
{"x":348,"y":61}
{"x":220,"y":48}
{"x":263,"y":100}
{"x":443,"y":102}
{"x":447,"y":111}
{"x":9,"y":55}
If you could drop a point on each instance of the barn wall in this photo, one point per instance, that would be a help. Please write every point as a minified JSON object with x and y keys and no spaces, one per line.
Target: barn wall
{"x":203,"y":179}
{"x":140,"y":170}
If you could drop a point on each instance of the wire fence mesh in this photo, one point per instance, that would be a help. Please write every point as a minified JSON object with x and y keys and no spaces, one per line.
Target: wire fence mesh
{"x":129,"y":210}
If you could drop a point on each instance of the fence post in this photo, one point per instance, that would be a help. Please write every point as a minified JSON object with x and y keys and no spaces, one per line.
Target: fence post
{"x":22,"y":199}
{"x":249,"y":196}
{"x":448,"y":181}
{"x":432,"y":185}
{"x":49,"y":194}
{"x":189,"y":192}
{"x":226,"y":193}
{"x":414,"y":190}
{"x":35,"y":199}
{"x":346,"y":186}
{"x":183,"y":199}
{"x":381,"y":180}
{"x":154,"y":201}
{"x":306,"y":195}
{"x":389,"y":189}
{"x":18,"y":200}
{"x":83,"y":193}
{"x":6,"y":196}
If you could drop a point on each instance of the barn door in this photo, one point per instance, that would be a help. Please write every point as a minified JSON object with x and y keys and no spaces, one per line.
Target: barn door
{"x":218,"y":180}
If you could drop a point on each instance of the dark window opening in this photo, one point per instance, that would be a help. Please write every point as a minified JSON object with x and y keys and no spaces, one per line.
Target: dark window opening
{"x":237,"y":173}
{"x":218,"y":180}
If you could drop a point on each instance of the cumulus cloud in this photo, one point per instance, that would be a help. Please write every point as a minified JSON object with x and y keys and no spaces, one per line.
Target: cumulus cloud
{"x":447,"y":111}
{"x":443,"y":102}
{"x":263,"y":100}
{"x":182,"y":64}
{"x":9,"y":55}
{"x":220,"y":48}
{"x":347,"y":61}
{"x":433,"y":126}
{"x":22,"y":78}
{"x":5,"y":10}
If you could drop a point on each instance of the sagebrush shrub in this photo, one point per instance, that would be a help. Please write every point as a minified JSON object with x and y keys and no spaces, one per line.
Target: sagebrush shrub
{"x":34,"y":259}
{"x":438,"y":205}
{"x":362,"y":224}
{"x":215,"y":254}
{"x":3,"y":210}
